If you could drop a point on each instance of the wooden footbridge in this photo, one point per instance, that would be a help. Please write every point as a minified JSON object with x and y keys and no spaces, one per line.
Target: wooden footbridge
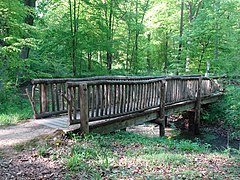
{"x":104,"y":104}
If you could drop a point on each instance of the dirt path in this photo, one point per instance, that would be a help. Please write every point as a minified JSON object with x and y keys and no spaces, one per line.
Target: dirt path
{"x":20,"y":133}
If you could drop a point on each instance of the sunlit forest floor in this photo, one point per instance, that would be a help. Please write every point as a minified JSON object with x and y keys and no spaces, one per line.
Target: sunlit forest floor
{"x":136,"y":154}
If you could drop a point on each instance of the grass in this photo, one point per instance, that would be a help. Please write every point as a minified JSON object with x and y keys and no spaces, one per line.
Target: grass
{"x":14,"y":109}
{"x":125,"y":155}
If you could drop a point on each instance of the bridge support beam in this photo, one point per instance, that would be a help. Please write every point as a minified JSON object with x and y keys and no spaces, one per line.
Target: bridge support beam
{"x":194,"y":114}
{"x":198,"y":108}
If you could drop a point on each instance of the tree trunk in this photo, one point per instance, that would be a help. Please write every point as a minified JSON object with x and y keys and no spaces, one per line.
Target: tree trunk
{"x":128,"y":64}
{"x":180,"y":37}
{"x":28,"y":20}
{"x":166,"y":54}
{"x":110,"y":36}
{"x":73,"y":28}
{"x":149,"y":67}
{"x":89,"y":61}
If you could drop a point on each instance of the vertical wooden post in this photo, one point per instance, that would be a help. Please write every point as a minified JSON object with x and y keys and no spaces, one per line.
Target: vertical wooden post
{"x":84,"y":112}
{"x":69,"y":105}
{"x":198,"y":107}
{"x":44,"y":99}
{"x":162,"y":108}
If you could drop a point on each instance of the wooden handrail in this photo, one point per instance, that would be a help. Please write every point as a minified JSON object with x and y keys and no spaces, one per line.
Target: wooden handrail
{"x":47,"y":94}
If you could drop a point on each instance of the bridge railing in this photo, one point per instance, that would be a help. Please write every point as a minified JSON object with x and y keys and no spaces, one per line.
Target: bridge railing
{"x":49,"y":96}
{"x":104,"y":99}
{"x":108,"y":99}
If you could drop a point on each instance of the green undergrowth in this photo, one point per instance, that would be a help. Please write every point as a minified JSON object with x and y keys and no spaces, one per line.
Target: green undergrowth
{"x":227,"y":111}
{"x":14,"y":107}
{"x":124,"y":155}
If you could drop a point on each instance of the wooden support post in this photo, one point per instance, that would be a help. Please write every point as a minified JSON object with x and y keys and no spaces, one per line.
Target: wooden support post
{"x":190,"y":115}
{"x":198,"y":108}
{"x":44,"y":98}
{"x":162,"y":109}
{"x":84,"y":112}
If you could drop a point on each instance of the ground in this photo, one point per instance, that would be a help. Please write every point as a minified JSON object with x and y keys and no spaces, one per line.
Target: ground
{"x":32,"y":151}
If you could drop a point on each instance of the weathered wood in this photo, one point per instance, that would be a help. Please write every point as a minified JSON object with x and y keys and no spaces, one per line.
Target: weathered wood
{"x":52,"y":97}
{"x":162,"y":109}
{"x":44,"y":98}
{"x":115,"y":97}
{"x":84,"y":109}
{"x":49,"y":114}
{"x":57,"y":97}
{"x":198,"y":108}
{"x":123,"y":121}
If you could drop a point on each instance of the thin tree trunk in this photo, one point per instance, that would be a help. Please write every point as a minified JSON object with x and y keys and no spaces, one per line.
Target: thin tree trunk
{"x":135,"y":48}
{"x":28,"y":20}
{"x":180,"y":37}
{"x":89,"y":61}
{"x":73,"y":29}
{"x":110,"y":36}
{"x":166,"y":54}
{"x":128,"y":64}
{"x":149,"y":67}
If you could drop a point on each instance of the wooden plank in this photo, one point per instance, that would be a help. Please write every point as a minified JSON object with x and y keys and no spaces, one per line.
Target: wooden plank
{"x":101,"y":93}
{"x":93,"y":100}
{"x":57,"y":97}
{"x":62,"y":99}
{"x":97,"y":100}
{"x":44,"y":98}
{"x":114,"y":99}
{"x":74,"y":90}
{"x":122,"y":122}
{"x":123,"y":104}
{"x":52,"y":97}
{"x":107,"y":99}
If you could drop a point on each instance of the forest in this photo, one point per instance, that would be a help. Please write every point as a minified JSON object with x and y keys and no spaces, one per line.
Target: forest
{"x":76,"y":38}
{"x":84,"y":38}
{"x":87,"y":38}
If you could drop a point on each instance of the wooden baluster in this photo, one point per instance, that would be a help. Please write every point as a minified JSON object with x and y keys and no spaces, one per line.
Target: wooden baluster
{"x":57,"y":97}
{"x":119,"y":98}
{"x":69,"y":105}
{"x":62,"y":99}
{"x":110,"y":99}
{"x":123,"y":101}
{"x":97,"y":100}
{"x":106,"y":100}
{"x":101,"y":99}
{"x":52,"y":97}
{"x":114,"y":98}
{"x":93,"y":109}
{"x":74,"y":103}
{"x":145,"y":96}
{"x":137,"y":97}
{"x":129,"y":97}
{"x":148,"y":94}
